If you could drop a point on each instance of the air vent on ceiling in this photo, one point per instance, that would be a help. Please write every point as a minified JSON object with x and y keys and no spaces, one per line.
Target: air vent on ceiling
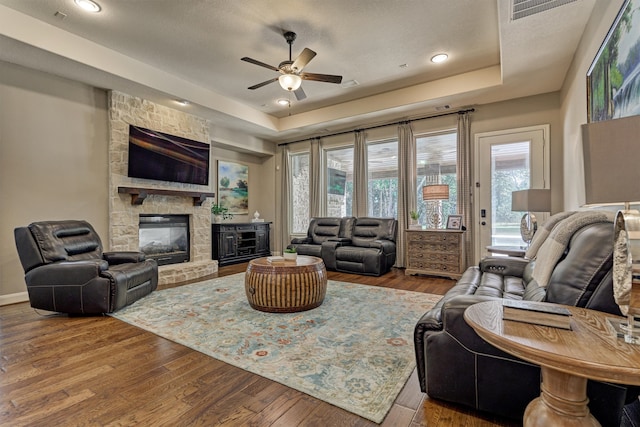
{"x":524,"y":8}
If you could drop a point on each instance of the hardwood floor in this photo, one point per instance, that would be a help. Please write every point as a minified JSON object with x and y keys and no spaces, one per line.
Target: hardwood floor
{"x":99,"y":371}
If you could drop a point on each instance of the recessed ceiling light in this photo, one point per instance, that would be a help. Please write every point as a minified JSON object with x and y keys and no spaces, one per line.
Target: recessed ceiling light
{"x":441,"y":57}
{"x":182,"y":102}
{"x":88,"y":5}
{"x":283,"y":102}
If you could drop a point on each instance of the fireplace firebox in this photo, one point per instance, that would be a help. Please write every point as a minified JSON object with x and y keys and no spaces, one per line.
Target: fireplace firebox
{"x":165,"y":238}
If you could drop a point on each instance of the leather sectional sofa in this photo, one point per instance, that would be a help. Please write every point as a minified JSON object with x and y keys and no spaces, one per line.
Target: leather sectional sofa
{"x":456,"y":365}
{"x":351,"y":245}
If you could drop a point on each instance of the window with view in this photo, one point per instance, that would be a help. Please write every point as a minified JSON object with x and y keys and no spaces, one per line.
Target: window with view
{"x":339,"y":175}
{"x":436,"y":157}
{"x":299,"y":193}
{"x":382,"y":168}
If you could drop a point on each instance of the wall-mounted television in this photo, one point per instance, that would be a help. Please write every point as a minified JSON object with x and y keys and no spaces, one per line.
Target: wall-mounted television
{"x":162,"y":157}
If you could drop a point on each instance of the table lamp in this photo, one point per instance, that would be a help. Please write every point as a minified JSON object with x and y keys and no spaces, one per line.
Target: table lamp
{"x":529,"y":201}
{"x":612,"y":177}
{"x":436,"y":192}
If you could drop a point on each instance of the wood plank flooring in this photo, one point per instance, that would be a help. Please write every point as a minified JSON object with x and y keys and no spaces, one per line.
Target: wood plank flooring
{"x":57,"y":370}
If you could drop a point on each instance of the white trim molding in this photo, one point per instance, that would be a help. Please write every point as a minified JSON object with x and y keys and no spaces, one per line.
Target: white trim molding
{"x":14,"y":298}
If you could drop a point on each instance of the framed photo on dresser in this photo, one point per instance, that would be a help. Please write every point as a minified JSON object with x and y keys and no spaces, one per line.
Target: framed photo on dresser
{"x":454,"y":222}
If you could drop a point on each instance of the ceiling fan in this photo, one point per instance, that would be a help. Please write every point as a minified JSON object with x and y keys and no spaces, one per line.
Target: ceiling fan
{"x":291,"y":71}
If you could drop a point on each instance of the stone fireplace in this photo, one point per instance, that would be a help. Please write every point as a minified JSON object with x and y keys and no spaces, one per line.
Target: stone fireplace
{"x":125,"y":212}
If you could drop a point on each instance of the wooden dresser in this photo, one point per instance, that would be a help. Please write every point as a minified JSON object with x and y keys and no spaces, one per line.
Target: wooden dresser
{"x":435,"y":252}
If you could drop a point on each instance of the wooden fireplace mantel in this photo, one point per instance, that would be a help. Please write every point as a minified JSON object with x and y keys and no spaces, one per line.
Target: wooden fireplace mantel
{"x":139,"y":194}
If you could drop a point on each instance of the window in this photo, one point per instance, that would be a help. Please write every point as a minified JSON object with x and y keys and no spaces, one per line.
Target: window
{"x":510,"y":171}
{"x":339,"y":175}
{"x":299,"y":193}
{"x":382,"y":185}
{"x":436,"y":157}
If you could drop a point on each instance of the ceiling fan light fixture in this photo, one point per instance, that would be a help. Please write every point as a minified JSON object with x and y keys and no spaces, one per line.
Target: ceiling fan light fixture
{"x":290,"y":82}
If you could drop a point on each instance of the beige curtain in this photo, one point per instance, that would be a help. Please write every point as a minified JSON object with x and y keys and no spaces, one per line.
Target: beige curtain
{"x":316,"y":197}
{"x":407,"y":181}
{"x":360,"y":176}
{"x":286,"y":198}
{"x":465,"y":189}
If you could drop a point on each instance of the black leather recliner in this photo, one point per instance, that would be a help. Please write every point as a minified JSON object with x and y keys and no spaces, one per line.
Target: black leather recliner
{"x":66,"y":270}
{"x":351,"y":245}
{"x":456,"y":365}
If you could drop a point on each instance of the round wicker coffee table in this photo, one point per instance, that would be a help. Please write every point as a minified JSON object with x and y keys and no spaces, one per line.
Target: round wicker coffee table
{"x":286,"y":287}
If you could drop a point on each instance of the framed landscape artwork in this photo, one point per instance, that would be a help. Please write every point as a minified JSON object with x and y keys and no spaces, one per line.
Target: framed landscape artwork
{"x":613,"y":80}
{"x":233,"y":187}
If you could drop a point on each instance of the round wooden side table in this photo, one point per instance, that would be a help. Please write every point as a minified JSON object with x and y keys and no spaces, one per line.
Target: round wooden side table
{"x":286,"y":286}
{"x":567,"y":358}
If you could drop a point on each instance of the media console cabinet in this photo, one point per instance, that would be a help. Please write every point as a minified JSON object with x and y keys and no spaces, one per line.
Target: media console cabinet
{"x":233,"y":243}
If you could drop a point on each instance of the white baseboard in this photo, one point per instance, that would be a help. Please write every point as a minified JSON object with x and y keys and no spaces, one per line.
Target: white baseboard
{"x":14,"y":298}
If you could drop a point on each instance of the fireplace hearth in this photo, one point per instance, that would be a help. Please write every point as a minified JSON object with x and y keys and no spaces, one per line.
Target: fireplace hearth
{"x":165,"y":238}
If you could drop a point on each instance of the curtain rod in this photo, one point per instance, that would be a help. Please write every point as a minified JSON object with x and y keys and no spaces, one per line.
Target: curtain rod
{"x":449,"y":113}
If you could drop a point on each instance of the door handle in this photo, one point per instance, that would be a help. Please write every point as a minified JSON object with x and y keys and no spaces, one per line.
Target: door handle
{"x":483,"y":223}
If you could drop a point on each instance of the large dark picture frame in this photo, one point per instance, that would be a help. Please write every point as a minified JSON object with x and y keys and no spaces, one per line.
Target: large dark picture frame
{"x":613,"y":79}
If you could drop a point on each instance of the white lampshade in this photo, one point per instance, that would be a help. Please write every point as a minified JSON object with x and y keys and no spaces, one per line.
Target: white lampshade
{"x":290,"y":82}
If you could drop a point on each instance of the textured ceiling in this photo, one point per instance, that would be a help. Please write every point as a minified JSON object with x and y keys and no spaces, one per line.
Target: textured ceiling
{"x":191,"y":49}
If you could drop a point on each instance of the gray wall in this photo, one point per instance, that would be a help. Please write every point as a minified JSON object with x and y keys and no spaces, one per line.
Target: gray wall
{"x":53,"y":158}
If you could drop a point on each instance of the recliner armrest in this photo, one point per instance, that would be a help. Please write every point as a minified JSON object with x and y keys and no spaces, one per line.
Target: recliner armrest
{"x":300,"y":240}
{"x":114,"y":258}
{"x":505,"y":266}
{"x":66,"y":272}
{"x":387,"y":246}
{"x":328,"y":251}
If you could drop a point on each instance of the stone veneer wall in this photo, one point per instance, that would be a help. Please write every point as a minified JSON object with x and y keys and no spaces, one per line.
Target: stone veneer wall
{"x":123,"y":216}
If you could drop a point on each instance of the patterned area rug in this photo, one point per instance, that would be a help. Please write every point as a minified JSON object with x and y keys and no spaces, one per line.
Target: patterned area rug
{"x":355,"y":351}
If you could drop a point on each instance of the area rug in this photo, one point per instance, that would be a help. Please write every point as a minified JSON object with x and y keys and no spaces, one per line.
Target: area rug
{"x":355,"y":351}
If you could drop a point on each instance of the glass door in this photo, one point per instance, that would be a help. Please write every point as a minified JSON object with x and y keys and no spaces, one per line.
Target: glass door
{"x":507,"y":161}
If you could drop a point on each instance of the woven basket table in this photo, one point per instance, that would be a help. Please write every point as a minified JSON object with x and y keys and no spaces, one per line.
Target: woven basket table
{"x":286,"y":287}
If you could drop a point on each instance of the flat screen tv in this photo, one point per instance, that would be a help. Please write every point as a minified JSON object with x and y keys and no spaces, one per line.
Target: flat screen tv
{"x":162,"y":157}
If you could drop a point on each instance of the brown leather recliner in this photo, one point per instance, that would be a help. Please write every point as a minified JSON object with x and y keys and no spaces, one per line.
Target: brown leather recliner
{"x":456,"y":365}
{"x":66,"y":270}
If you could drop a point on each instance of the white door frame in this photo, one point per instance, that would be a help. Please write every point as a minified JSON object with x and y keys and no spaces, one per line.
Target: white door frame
{"x":503,"y":135}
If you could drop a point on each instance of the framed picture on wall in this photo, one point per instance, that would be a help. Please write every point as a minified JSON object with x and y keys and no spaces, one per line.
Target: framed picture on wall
{"x":614,"y":74}
{"x":233,"y":187}
{"x":454,"y":222}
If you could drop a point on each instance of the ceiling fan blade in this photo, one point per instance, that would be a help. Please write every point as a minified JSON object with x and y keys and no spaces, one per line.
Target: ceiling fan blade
{"x":327,"y":78}
{"x":256,"y":62}
{"x":259,"y":85}
{"x":299,"y":93}
{"x":302,"y":60}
